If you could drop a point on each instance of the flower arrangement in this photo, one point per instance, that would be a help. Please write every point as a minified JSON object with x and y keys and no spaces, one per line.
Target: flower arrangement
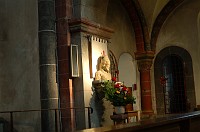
{"x":117,"y":93}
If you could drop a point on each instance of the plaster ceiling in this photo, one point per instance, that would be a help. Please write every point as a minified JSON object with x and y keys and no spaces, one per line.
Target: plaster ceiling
{"x":151,"y":9}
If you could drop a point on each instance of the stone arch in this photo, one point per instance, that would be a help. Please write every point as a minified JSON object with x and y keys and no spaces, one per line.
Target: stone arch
{"x":189,"y":78}
{"x":169,"y":7}
{"x":139,"y":36}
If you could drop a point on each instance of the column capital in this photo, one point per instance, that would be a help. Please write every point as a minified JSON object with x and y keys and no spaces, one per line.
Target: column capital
{"x":144,"y":60}
{"x":144,"y":65}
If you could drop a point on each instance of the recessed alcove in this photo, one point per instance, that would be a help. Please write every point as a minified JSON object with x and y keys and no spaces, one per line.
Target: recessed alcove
{"x":187,"y":76}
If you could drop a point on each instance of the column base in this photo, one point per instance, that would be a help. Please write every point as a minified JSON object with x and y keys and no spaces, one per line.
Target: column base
{"x":148,"y":112}
{"x":145,"y":115}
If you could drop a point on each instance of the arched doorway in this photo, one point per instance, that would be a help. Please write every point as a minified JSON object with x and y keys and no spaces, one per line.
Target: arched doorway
{"x":177,"y":94}
{"x":174,"y":88}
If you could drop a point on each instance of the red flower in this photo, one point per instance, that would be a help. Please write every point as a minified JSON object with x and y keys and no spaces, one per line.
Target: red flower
{"x":117,"y":85}
{"x":124,"y":88}
{"x":114,"y":79}
{"x":163,"y":80}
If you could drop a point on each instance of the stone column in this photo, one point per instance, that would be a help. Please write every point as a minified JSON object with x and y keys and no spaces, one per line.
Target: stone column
{"x":66,"y":90}
{"x":144,"y":66}
{"x":47,"y":50}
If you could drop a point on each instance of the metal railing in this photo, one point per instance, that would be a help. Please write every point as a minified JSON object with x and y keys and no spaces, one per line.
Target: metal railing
{"x":89,"y":109}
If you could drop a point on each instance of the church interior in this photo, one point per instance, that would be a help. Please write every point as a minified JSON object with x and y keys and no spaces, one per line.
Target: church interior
{"x":51,"y":76}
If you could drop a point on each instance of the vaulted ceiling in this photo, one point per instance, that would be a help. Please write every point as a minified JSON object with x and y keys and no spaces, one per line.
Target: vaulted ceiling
{"x":147,"y":17}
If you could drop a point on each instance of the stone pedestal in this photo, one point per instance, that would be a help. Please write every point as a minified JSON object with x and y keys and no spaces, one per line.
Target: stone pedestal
{"x":119,"y":118}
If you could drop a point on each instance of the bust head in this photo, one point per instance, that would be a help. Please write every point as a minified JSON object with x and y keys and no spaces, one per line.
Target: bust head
{"x":104,"y":63}
{"x":103,"y":68}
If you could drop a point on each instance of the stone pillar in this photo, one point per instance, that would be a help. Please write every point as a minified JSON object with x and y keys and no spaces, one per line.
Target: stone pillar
{"x":66,"y":90}
{"x":144,"y":66}
{"x":47,"y":50}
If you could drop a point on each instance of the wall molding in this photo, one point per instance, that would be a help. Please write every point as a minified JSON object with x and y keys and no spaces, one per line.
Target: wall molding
{"x":87,"y":26}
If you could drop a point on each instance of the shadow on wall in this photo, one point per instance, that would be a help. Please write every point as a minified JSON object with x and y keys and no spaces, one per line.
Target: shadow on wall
{"x":96,"y":103}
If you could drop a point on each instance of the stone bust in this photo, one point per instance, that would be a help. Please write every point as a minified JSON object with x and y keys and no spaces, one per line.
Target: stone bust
{"x":103,"y":68}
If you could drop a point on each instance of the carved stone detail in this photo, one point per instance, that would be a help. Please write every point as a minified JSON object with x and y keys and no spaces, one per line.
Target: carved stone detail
{"x":144,"y":60}
{"x":144,"y":65}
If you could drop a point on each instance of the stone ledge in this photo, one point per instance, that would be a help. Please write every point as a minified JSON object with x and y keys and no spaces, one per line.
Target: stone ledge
{"x":84,"y":25}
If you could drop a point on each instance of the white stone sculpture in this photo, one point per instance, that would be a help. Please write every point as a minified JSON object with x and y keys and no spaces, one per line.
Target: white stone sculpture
{"x":103,"y":69}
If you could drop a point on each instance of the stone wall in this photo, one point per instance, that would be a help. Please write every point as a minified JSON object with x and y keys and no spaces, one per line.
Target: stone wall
{"x":181,"y":29}
{"x":19,"y":62}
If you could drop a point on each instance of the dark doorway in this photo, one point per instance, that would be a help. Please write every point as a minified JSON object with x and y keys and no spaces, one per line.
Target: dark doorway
{"x":178,"y":63}
{"x":174,"y":89}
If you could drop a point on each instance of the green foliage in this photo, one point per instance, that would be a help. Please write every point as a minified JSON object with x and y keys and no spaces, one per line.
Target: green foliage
{"x":130,"y":100}
{"x":116,"y":93}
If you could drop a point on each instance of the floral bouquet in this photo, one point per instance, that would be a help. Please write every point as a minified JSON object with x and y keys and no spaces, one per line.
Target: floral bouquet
{"x":117,"y":93}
